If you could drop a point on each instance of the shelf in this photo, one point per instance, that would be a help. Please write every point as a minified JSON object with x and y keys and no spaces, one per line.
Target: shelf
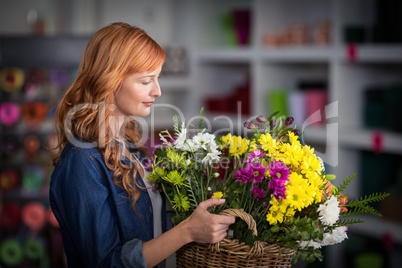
{"x":376,"y":227}
{"x":297,"y":54}
{"x":363,"y":139}
{"x":374,"y":53}
{"x":229,"y":55}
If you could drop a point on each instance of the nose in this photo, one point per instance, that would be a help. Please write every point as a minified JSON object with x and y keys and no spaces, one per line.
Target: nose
{"x":156,"y":90}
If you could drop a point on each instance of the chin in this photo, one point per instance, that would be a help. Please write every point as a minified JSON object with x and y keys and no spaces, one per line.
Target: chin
{"x":143,"y":113}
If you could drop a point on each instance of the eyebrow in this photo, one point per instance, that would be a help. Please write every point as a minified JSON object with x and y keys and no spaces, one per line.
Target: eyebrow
{"x":149,"y":75}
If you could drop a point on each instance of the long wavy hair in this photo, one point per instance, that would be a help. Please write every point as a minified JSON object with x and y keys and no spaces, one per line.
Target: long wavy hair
{"x":113,"y":53}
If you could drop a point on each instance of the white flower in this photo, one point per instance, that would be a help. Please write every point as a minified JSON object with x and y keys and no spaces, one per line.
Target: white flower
{"x":329,"y":211}
{"x":189,"y":146}
{"x":204,"y":140}
{"x":311,"y":243}
{"x":180,"y":141}
{"x":321,"y":163}
{"x":337,"y":236}
{"x":211,"y":158}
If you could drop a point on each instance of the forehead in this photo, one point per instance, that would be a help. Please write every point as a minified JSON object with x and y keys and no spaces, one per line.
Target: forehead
{"x":146,"y":74}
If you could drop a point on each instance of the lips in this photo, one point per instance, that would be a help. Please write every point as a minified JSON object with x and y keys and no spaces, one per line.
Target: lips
{"x":148,"y":103}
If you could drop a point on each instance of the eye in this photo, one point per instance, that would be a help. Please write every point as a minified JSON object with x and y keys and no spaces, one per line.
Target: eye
{"x":146,"y":83}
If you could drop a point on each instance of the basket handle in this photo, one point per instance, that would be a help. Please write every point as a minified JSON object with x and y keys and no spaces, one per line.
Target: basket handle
{"x":247,"y":218}
{"x":257,"y":249}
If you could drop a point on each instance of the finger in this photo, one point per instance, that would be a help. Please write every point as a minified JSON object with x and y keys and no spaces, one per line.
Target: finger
{"x":226,"y":220}
{"x":212,"y":202}
{"x":221,"y":236}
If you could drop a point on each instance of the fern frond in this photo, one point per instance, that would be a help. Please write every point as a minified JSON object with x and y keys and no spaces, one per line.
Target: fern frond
{"x":349,"y":221}
{"x":163,"y":135}
{"x":176,"y":126}
{"x":342,"y":187}
{"x":201,"y":119}
{"x":363,"y":209}
{"x":191,"y":195}
{"x":375,"y":197}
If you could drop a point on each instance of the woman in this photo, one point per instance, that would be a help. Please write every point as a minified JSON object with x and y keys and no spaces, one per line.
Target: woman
{"x":107,"y":214}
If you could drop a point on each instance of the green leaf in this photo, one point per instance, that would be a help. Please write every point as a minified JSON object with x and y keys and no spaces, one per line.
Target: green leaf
{"x":304,"y":236}
{"x":160,"y":153}
{"x":330,"y":177}
{"x":275,"y":228}
{"x":249,"y":238}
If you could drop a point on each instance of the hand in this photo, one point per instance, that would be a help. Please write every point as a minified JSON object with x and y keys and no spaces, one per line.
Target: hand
{"x":204,"y":227}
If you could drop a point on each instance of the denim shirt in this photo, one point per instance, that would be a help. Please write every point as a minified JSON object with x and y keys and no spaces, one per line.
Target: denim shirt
{"x":98,"y":225}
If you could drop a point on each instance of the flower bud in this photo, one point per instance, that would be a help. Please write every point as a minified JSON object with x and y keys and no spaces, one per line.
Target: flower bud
{"x":261,"y":119}
{"x":272,"y":124}
{"x":216,"y":174}
{"x":289,"y":121}
{"x":296,"y":132}
{"x":209,"y":189}
{"x":249,"y":125}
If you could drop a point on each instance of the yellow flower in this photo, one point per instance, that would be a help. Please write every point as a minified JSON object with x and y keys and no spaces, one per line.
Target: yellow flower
{"x":175,"y":178}
{"x":296,"y":193}
{"x":277,"y":210}
{"x":268,"y":144}
{"x":175,"y":158}
{"x":293,"y":138}
{"x":180,"y":202}
{"x":156,"y":174}
{"x":253,"y":146}
{"x":292,"y":154}
{"x":226,"y":140}
{"x":310,"y":164}
{"x":308,"y":150}
{"x":273,"y":217}
{"x":238,"y":146}
{"x":217,"y":195}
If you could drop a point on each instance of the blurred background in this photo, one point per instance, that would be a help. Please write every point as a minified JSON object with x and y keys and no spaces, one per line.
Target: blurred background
{"x":335,"y":66}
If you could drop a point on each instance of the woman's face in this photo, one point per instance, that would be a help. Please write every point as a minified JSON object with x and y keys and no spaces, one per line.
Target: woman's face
{"x":137,"y":94}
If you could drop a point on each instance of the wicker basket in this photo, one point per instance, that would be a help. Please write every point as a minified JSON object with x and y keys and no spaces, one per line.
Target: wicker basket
{"x":229,"y":253}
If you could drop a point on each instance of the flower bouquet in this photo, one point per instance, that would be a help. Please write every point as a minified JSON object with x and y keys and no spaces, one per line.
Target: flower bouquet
{"x":278,"y":187}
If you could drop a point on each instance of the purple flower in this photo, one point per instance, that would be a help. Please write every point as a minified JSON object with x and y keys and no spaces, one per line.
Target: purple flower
{"x":258,"y":172}
{"x":244,"y":175}
{"x":252,"y":172}
{"x":254,"y":155}
{"x":258,"y":193}
{"x":280,"y":175}
{"x":278,"y":188}
{"x":278,"y":170}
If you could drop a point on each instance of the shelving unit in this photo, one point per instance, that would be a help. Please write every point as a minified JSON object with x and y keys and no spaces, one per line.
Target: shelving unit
{"x":348,"y":69}
{"x":45,"y":57}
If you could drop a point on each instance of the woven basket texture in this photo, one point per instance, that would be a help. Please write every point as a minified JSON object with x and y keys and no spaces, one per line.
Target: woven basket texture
{"x":230,"y":253}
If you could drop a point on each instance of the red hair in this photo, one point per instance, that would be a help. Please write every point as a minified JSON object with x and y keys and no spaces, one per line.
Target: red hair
{"x":113,"y":53}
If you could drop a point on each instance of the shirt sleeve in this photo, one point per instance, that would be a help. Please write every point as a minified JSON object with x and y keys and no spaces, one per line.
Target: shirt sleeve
{"x":81,"y":201}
